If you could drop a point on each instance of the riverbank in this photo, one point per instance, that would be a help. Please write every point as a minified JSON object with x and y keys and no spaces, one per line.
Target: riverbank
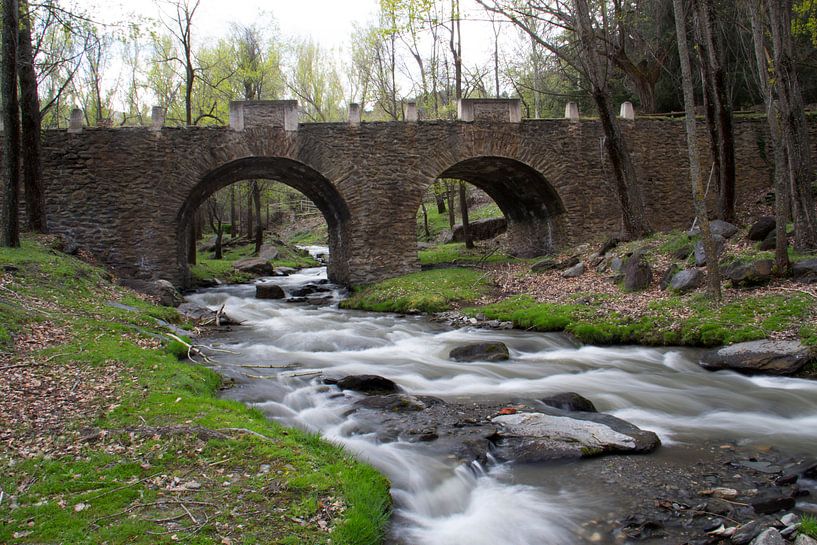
{"x":582,"y":293}
{"x":107,"y":436}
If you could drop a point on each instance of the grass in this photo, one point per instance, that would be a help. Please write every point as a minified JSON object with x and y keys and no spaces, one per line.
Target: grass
{"x":426,"y":291}
{"x":207,"y":269}
{"x":438,"y":222}
{"x":457,"y":253}
{"x":125,"y":486}
{"x":808,"y":526}
{"x":749,"y":318}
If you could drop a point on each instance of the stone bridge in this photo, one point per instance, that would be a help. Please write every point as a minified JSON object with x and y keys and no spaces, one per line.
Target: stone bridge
{"x":128,"y":194}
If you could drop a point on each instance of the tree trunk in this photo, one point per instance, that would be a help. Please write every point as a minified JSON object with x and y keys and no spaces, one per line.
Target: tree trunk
{"x":191,"y":243}
{"x":440,"y":199}
{"x":466,"y":227}
{"x":452,"y":218}
{"x":250,"y":222}
{"x":30,"y":124}
{"x":634,"y":221}
{"x":233,"y":218}
{"x":11,"y":123}
{"x":259,"y":229}
{"x":425,"y":221}
{"x":722,"y":119}
{"x":713,"y":276}
{"x":781,"y":189}
{"x":794,"y":130}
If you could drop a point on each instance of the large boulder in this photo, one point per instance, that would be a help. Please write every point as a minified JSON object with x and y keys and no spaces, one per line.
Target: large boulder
{"x":367,"y":384}
{"x":769,"y":243}
{"x":268,"y":290}
{"x":687,"y":280}
{"x":761,"y":228}
{"x":268,"y":252}
{"x":700,"y":252}
{"x":570,"y":401}
{"x":550,"y":264}
{"x":481,"y":229}
{"x":723,"y":228}
{"x":805,"y":270}
{"x":637,"y":272}
{"x":490,"y":351}
{"x":254,"y":265}
{"x":167,"y":293}
{"x":764,"y":356}
{"x":574,"y":271}
{"x":537,"y":437}
{"x":754,"y":273}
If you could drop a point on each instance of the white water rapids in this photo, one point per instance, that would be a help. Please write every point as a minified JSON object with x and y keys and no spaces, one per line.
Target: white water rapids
{"x":438,"y":502}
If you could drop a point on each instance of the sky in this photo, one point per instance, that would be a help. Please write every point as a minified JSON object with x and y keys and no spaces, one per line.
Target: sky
{"x":329,"y":22}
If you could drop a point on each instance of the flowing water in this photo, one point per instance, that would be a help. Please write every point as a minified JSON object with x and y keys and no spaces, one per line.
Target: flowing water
{"x":440,"y":502}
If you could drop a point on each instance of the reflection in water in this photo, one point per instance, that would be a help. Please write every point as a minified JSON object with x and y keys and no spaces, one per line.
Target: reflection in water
{"x":439,"y":502}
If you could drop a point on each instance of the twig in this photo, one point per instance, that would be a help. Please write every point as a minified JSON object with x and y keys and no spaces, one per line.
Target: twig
{"x":304,"y":374}
{"x":117,"y":489}
{"x":186,"y":510}
{"x":32,"y":364}
{"x":285,"y":366}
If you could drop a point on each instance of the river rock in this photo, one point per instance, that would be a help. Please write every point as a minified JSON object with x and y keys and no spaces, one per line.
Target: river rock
{"x":772,"y":501}
{"x":764,"y":356}
{"x":761,"y":228}
{"x":637,"y":272}
{"x":803,"y":539}
{"x":310,"y":289}
{"x":700,"y":253}
{"x":570,"y":401}
{"x":723,"y":228}
{"x":268,"y":290}
{"x":536,"y":437}
{"x":254,"y":265}
{"x":395,"y":403}
{"x":367,"y":384}
{"x":167,"y":293}
{"x":550,"y":264}
{"x":769,"y":536}
{"x":490,"y":351}
{"x":607,"y":245}
{"x":747,"y":532}
{"x":805,"y":271}
{"x":574,"y":271}
{"x":268,"y":252}
{"x":754,"y":273}
{"x":485,"y":229}
{"x":668,"y":275}
{"x":687,"y":280}
{"x":285,"y":271}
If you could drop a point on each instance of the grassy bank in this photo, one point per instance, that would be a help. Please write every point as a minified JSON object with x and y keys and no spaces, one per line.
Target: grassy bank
{"x":109,"y":438}
{"x":207,"y":269}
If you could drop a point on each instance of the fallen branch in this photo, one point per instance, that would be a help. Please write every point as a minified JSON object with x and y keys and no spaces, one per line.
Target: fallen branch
{"x":191,"y":349}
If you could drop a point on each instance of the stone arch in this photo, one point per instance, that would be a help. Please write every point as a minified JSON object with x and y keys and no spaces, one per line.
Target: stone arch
{"x":530,"y":203}
{"x":297,"y":175}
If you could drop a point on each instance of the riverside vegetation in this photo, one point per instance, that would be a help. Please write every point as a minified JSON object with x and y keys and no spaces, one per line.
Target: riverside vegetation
{"x":109,"y":437}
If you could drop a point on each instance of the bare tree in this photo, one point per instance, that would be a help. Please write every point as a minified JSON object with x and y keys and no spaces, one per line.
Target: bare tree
{"x":794,"y":130}
{"x":712,"y":270}
{"x":11,"y":123}
{"x":781,"y":187}
{"x":30,"y":125}
{"x":592,"y":60}
{"x":181,"y":28}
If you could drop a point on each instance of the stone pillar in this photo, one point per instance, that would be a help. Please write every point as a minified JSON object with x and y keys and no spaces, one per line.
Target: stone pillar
{"x":465,"y":110}
{"x":237,"y":115}
{"x":75,"y":121}
{"x":157,"y":117}
{"x":572,"y":111}
{"x":515,"y":110}
{"x":627,"y":111}
{"x":354,"y":113}
{"x":411,"y":111}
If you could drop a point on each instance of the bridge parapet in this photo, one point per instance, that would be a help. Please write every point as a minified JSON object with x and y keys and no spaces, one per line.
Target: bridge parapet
{"x":490,"y":109}
{"x":247,"y":114}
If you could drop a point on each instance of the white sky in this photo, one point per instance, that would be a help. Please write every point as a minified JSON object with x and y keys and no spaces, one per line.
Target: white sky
{"x":329,"y":22}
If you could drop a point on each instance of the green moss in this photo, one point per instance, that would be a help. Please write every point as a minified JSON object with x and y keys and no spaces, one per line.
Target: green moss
{"x":439,"y":222}
{"x":457,"y":253}
{"x":427,"y":291}
{"x":750,"y":318}
{"x":115,"y":478}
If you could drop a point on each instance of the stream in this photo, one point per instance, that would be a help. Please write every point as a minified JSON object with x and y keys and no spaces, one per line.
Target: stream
{"x":439,"y":501}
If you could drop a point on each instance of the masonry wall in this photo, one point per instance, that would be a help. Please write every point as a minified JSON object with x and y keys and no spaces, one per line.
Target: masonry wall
{"x":121,"y":192}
